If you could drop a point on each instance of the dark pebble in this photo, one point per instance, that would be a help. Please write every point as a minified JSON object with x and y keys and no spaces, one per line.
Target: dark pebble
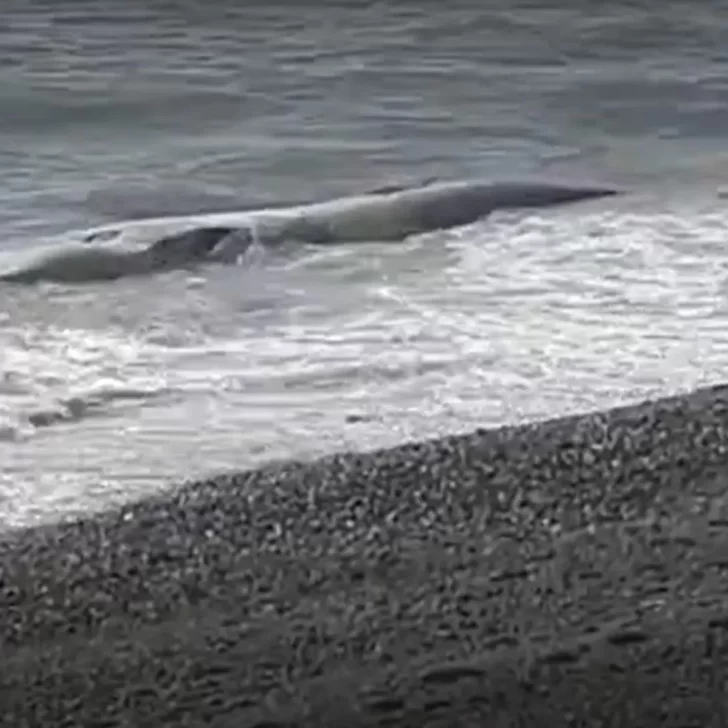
{"x":561,"y":573}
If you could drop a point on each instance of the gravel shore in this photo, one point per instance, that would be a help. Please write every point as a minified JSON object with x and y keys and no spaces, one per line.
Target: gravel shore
{"x":572,"y":572}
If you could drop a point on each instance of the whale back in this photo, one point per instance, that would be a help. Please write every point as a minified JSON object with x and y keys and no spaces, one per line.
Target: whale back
{"x":401,"y":213}
{"x":386,"y":216}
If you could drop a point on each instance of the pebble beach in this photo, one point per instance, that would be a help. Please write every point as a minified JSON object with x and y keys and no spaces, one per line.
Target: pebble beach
{"x":568,"y":572}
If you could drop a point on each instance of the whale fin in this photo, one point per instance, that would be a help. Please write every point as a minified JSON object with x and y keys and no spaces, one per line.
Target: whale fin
{"x":389,"y":189}
{"x":103,"y":236}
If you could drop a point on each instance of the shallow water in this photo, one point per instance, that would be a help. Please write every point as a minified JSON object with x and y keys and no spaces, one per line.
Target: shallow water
{"x":113,"y":390}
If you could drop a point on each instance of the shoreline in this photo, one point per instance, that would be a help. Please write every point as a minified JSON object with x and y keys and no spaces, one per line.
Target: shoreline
{"x":573,"y":567}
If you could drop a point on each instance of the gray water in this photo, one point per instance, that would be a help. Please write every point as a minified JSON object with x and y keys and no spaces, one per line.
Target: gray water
{"x":112,"y":111}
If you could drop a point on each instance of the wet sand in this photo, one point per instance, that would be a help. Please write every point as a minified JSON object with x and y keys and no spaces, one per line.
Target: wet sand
{"x":566,"y":573}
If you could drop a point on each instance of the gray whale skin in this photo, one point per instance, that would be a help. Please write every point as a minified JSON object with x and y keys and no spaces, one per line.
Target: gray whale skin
{"x":388,"y":214}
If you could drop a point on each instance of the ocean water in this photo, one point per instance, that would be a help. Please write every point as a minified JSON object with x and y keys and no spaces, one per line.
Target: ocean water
{"x":119,"y":110}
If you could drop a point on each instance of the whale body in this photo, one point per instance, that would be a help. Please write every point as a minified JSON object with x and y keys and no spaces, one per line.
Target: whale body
{"x":389,"y":214}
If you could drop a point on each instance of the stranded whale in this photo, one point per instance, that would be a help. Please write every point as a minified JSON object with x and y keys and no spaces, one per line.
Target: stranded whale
{"x":382,"y":215}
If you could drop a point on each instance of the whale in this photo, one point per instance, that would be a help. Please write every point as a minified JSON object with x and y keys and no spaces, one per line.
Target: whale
{"x":386,"y":214}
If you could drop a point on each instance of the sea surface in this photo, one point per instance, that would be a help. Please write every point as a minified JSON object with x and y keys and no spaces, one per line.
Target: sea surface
{"x":112,"y":111}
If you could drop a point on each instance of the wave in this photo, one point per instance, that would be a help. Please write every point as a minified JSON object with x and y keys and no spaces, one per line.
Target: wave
{"x":99,"y":402}
{"x":52,"y":376}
